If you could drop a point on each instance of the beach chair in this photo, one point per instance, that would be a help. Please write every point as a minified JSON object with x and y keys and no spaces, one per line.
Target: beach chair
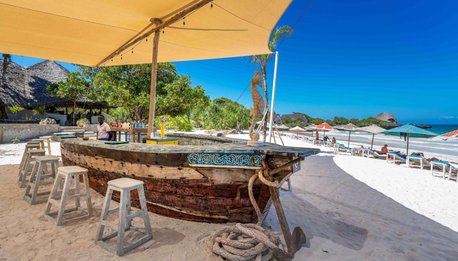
{"x":417,"y":161}
{"x":453,"y":171}
{"x":357,"y":151}
{"x":439,"y":165}
{"x":395,"y":157}
{"x":375,"y":154}
{"x":338,"y":148}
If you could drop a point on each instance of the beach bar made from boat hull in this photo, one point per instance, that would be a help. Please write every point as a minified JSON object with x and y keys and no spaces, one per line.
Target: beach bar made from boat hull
{"x":205,"y":182}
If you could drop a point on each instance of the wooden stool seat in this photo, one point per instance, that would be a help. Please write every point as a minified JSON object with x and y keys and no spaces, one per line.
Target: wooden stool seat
{"x":27,"y":167}
{"x":125,"y":183}
{"x":40,"y":177}
{"x":125,"y":186}
{"x":62,"y":192}
{"x":71,"y":170}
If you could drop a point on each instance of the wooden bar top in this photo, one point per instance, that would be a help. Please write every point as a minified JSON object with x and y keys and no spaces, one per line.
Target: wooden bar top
{"x":221,"y":145}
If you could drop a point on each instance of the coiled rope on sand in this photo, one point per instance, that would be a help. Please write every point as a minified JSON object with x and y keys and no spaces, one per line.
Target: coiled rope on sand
{"x":244,"y":242}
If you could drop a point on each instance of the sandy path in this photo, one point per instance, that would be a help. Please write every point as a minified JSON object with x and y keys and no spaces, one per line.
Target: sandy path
{"x":349,"y":220}
{"x":433,"y":197}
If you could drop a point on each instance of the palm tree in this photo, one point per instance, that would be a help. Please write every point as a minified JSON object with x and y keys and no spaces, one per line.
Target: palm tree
{"x":6,"y":62}
{"x":262,"y":60}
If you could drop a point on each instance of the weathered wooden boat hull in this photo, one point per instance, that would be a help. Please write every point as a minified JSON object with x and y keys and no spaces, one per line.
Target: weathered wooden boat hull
{"x":174,"y":187}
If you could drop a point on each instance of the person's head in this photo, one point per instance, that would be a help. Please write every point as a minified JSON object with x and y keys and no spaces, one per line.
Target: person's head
{"x":101,"y":119}
{"x":386,"y":145}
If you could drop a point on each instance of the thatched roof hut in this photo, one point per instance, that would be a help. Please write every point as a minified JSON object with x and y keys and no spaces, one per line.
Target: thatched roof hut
{"x":26,"y":86}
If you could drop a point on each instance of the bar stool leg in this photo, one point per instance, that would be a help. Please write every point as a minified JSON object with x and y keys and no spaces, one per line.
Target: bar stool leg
{"x":31,"y":182}
{"x":88,"y":195}
{"x":61,"y":210}
{"x":37,"y":180}
{"x":77,"y":192}
{"x":141,"y":195}
{"x":129,"y":210}
{"x":122,"y":223}
{"x":54,"y":191}
{"x":105,"y":211}
{"x":48,"y":140}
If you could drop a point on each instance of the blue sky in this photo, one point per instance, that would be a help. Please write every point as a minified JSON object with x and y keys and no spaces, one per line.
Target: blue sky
{"x":353,"y":58}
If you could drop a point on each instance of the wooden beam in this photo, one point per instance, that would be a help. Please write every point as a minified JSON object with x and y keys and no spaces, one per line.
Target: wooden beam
{"x":152,"y":103}
{"x":187,"y":9}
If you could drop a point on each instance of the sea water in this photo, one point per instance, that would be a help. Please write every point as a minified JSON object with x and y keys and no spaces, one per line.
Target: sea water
{"x":442,"y":128}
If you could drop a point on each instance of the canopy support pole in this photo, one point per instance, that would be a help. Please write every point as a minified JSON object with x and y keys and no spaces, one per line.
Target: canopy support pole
{"x":272,"y":102}
{"x":349,"y":135}
{"x":152,"y":103}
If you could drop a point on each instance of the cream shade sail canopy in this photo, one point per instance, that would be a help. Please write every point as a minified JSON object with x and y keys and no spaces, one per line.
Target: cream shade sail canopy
{"x":86,"y":32}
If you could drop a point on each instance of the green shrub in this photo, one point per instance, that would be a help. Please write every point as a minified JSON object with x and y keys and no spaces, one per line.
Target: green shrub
{"x":39,"y":111}
{"x":15,"y":109}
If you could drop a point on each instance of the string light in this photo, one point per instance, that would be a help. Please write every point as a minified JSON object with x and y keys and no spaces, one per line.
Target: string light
{"x":146,"y":39}
{"x":184,"y":21}
{"x":132,"y":50}
{"x":211,"y":4}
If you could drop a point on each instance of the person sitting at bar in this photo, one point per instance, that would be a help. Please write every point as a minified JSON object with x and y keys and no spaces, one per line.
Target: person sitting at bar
{"x":334,"y":140}
{"x":103,"y":129}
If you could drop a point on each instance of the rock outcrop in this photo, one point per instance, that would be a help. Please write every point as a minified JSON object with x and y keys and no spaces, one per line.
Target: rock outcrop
{"x":386,"y":116}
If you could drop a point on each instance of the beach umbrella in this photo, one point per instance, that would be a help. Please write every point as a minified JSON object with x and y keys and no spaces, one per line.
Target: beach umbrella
{"x":452,"y":134}
{"x":282,"y":127}
{"x":347,"y":127}
{"x":408,"y":131}
{"x":311,"y":127}
{"x":323,"y":127}
{"x":297,"y":129}
{"x":372,"y":129}
{"x":105,"y":33}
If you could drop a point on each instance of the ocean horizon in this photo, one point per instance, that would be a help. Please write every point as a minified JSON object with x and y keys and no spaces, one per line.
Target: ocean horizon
{"x":442,"y":128}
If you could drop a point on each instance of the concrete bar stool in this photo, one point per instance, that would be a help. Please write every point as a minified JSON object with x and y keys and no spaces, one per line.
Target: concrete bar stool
{"x":62,"y":193}
{"x":28,"y":146}
{"x":40,"y":177}
{"x":47,"y":142}
{"x":26,"y":169}
{"x":124,"y":186}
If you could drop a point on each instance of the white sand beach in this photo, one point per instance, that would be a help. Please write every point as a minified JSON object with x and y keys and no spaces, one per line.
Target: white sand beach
{"x":351,"y":208}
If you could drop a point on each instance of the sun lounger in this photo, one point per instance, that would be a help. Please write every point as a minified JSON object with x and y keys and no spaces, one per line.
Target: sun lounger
{"x":375,"y":154}
{"x":453,"y":170}
{"x":341,"y":148}
{"x":417,"y":161}
{"x":395,"y":157}
{"x":439,"y":164}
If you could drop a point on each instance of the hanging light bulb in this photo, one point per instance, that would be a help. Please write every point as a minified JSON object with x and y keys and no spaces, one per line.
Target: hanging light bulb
{"x":211,"y":4}
{"x":184,"y":21}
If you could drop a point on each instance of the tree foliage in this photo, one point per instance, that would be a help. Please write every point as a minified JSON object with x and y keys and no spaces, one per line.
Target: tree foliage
{"x":74,"y":88}
{"x":222,"y":113}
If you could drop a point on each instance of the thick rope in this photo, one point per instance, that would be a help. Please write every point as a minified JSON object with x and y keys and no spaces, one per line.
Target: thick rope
{"x":244,"y":242}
